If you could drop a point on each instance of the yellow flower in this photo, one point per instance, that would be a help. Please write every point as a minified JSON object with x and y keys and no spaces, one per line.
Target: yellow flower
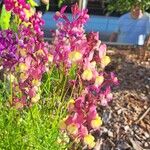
{"x":71,"y":104}
{"x":28,"y":13}
{"x":96,"y":123}
{"x":99,"y":80}
{"x":40,"y":52}
{"x":17,"y":89}
{"x":62,"y":124}
{"x":89,"y":140}
{"x":22,"y":67}
{"x":35,"y":99}
{"x":75,"y":56}
{"x":36,"y":82}
{"x":18,"y":105}
{"x":93,"y":64}
{"x":50,"y":58}
{"x":23,"y":76}
{"x":105,"y":61}
{"x":23,"y":52}
{"x":87,"y":75}
{"x":72,"y":129}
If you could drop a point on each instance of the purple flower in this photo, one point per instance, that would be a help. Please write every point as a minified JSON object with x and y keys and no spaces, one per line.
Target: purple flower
{"x":8,"y":48}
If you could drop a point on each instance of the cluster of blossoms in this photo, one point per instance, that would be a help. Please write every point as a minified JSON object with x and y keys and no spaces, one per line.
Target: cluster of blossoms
{"x":24,"y":54}
{"x":71,"y":48}
{"x":26,"y":14}
{"x":25,"y":58}
{"x":36,"y":23}
{"x":18,"y":7}
{"x":8,"y":48}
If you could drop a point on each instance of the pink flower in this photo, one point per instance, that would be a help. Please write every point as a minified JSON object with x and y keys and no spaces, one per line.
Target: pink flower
{"x":79,"y":102}
{"x":102,"y":51}
{"x":75,"y":9}
{"x":114,"y":78}
{"x":83,"y":131}
{"x":32,"y":92}
{"x":91,"y":114}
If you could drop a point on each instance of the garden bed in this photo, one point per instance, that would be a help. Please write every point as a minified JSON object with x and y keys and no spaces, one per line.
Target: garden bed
{"x":126,"y":120}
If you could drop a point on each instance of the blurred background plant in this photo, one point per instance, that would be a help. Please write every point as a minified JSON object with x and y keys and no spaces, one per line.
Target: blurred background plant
{"x":123,"y":6}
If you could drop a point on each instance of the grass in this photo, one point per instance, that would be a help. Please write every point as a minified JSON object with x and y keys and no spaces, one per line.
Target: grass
{"x":36,"y":127}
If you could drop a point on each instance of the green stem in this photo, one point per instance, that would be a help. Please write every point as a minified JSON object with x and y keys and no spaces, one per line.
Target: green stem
{"x":11,"y":90}
{"x":73,"y":88}
{"x":63,"y":89}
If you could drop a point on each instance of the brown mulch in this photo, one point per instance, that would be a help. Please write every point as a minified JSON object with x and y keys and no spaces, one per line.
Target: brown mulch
{"x":126,"y":121}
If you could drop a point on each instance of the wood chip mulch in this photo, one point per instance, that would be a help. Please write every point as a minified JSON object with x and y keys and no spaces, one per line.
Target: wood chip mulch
{"x":126,"y":121}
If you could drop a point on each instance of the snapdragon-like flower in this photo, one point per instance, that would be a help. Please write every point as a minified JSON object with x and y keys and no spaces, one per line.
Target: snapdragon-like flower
{"x":17,"y":7}
{"x":71,"y":47}
{"x":89,"y":140}
{"x":8,"y":48}
{"x":25,"y":55}
{"x":26,"y":14}
{"x":69,"y":39}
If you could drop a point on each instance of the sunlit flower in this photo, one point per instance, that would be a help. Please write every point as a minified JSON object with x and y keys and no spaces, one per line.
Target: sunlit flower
{"x":22,"y":67}
{"x":114,"y":78}
{"x":89,"y":140}
{"x":36,"y":98}
{"x":105,"y":61}
{"x":62,"y":124}
{"x":23,"y":76}
{"x":75,"y":56}
{"x":96,"y":123}
{"x":36,"y":82}
{"x":93,"y":64}
{"x":18,"y":105}
{"x":71,"y":105}
{"x":72,"y":129}
{"x":87,"y":75}
{"x":99,"y":80}
{"x":23,"y":52}
{"x":40,"y":52}
{"x":50,"y":58}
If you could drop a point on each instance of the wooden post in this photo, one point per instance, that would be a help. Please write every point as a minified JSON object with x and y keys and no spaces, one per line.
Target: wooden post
{"x":83,"y":4}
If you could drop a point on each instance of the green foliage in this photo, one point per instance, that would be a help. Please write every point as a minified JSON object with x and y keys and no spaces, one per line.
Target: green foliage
{"x":63,"y":2}
{"x":125,"y":5}
{"x":35,"y":127}
{"x":32,"y":3}
{"x":5,"y":19}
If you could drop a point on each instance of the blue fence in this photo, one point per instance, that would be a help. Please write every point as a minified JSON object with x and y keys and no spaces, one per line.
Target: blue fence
{"x":104,"y":25}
